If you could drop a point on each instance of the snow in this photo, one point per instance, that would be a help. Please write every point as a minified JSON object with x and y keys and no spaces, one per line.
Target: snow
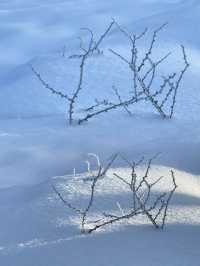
{"x":38,"y":148}
{"x":50,"y":232}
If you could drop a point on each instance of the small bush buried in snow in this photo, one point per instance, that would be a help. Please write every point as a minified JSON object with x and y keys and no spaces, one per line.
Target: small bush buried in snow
{"x":161,"y":94}
{"x":143,"y":200}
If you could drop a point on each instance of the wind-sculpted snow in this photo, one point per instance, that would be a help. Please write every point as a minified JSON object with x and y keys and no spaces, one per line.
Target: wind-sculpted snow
{"x":27,"y":154}
{"x":38,"y":148}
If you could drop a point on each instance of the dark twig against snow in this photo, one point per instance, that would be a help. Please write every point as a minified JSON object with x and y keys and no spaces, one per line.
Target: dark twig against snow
{"x":92,"y":47}
{"x":144,"y":73}
{"x":144,"y":201}
{"x":144,"y":76}
{"x":160,"y":93}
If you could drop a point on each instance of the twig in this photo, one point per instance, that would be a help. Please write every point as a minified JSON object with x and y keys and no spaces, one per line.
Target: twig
{"x":141,"y":190}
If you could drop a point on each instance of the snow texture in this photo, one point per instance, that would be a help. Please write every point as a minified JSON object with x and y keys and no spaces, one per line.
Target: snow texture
{"x":38,"y":148}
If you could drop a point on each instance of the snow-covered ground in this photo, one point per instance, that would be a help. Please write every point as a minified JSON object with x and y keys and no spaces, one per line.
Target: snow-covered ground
{"x":37,"y":147}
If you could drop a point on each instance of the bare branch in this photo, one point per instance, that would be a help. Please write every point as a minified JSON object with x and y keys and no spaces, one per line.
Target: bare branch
{"x":47,"y":86}
{"x":69,"y":205}
{"x":145,"y":85}
{"x":179,"y":80}
{"x":149,"y":52}
{"x":121,"y":101}
{"x":169,"y":199}
{"x":100,"y":40}
{"x":143,"y":202}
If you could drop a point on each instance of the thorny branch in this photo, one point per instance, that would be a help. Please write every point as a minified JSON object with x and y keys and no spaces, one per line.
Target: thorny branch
{"x":144,"y":73}
{"x":145,"y":85}
{"x":144,"y":200}
{"x":93,"y":46}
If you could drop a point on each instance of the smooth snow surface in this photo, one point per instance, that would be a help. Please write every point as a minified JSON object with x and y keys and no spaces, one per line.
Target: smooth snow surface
{"x":38,"y":148}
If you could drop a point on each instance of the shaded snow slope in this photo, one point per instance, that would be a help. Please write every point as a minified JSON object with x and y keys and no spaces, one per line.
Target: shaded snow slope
{"x":23,"y":96}
{"x":35,"y":149}
{"x":36,"y":143}
{"x":38,"y":27}
{"x":26,"y":97}
{"x":50,"y":232}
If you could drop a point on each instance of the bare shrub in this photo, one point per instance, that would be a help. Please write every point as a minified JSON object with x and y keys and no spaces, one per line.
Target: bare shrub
{"x":160,"y":94}
{"x":92,"y":48}
{"x":144,"y":201}
{"x":144,"y":77}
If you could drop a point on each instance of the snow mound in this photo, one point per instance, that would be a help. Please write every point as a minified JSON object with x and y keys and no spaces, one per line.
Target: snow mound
{"x":49,"y":227}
